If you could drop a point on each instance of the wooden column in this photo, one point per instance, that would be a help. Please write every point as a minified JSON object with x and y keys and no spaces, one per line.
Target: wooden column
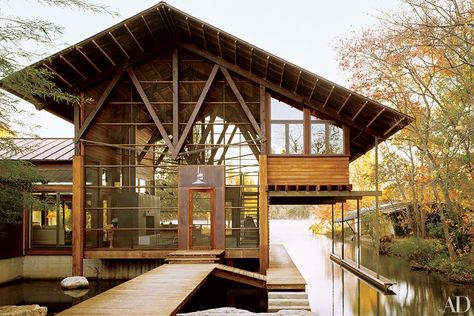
{"x":263,"y":215}
{"x":347,"y":140}
{"x":77,"y":215}
{"x":263,"y":120}
{"x":175,"y":98}
{"x":307,"y":131}
{"x":377,"y":213}
{"x":268,"y":123}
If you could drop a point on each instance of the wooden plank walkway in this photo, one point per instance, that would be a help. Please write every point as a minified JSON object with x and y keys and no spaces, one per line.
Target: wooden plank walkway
{"x":161,"y":291}
{"x":282,"y":274}
{"x":241,"y":276}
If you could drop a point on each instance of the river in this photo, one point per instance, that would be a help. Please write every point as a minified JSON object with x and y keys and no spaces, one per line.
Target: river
{"x":335,"y":291}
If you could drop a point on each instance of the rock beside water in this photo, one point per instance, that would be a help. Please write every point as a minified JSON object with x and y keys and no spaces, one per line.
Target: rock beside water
{"x":231,"y":311}
{"x":75,"y":282}
{"x":23,"y":310}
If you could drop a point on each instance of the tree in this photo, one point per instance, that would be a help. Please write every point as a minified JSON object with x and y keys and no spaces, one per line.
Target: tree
{"x":16,"y":177}
{"x":420,"y":61}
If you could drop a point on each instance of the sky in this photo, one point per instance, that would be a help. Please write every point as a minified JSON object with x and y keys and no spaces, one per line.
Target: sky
{"x":303,"y":32}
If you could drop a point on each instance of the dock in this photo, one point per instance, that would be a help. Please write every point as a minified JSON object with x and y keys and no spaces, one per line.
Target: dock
{"x":161,"y":291}
{"x":165,"y":289}
{"x":282,"y":274}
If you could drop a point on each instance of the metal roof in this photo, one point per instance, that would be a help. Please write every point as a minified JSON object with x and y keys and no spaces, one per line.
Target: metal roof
{"x":38,"y":149}
{"x":384,"y":209}
{"x":161,"y":26}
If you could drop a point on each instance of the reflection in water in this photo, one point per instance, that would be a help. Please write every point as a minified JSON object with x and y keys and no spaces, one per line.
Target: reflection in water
{"x":335,"y":291}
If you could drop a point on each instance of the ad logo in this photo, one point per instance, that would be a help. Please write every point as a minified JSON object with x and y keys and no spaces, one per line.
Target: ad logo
{"x":459,"y":305}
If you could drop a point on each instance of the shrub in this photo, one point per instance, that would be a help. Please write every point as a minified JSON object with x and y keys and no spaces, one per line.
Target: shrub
{"x":419,"y":250}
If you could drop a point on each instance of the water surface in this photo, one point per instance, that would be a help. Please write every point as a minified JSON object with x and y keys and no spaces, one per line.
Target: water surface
{"x":335,"y":291}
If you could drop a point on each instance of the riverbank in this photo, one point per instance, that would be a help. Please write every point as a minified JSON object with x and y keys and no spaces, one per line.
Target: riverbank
{"x":431,"y":256}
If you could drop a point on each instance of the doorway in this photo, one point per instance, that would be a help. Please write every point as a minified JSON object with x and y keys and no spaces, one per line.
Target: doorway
{"x":201,"y":210}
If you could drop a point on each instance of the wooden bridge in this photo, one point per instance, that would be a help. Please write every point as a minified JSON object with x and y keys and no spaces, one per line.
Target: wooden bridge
{"x":164,"y":290}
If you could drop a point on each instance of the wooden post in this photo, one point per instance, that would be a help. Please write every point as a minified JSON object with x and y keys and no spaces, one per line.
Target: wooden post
{"x":307,"y":131}
{"x":268,"y":101}
{"x":263,"y":214}
{"x":342,"y":232}
{"x":358,"y":234}
{"x":263,"y":120}
{"x":377,"y":218}
{"x":175,"y":98}
{"x":332,"y":228}
{"x":77,"y":214}
{"x":347,"y":140}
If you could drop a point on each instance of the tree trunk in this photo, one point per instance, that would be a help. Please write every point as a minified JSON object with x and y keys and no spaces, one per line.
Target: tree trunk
{"x":452,"y":253}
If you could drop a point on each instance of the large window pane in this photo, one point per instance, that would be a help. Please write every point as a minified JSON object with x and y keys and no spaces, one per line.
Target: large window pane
{"x":278,"y":145}
{"x":318,"y":138}
{"x":295,"y":138}
{"x":336,"y":140}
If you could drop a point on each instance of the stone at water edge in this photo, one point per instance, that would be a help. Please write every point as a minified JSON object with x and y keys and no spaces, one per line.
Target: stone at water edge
{"x":23,"y":310}
{"x":75,"y":282}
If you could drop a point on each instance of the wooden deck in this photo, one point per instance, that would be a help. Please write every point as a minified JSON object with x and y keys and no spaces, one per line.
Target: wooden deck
{"x":162,"y":291}
{"x":282,"y":274}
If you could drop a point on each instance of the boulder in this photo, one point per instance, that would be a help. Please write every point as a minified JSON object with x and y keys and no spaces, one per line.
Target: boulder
{"x":23,"y":310}
{"x":232,"y":311}
{"x":75,"y":282}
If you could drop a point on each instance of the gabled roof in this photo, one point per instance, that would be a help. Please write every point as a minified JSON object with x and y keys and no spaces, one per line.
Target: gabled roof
{"x":40,"y":149}
{"x":162,"y":26}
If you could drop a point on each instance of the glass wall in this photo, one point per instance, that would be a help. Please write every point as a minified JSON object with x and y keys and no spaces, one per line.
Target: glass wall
{"x":288,"y":133}
{"x":50,"y":220}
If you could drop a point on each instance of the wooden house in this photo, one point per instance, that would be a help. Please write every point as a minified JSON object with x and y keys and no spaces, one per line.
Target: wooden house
{"x":185,"y":135}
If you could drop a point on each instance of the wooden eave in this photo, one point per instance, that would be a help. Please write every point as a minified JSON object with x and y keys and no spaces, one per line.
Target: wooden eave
{"x":161,"y":26}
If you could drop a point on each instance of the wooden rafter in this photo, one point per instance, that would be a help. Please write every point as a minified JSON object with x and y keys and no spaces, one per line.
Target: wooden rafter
{"x":298,"y":81}
{"x":133,"y":36}
{"x":266,"y":67}
{"x":220,"y":140}
{"x":231,"y":137}
{"x":317,"y":106}
{"x":344,"y":104}
{"x":150,"y":108}
{"x":360,"y":110}
{"x":195,"y":112}
{"x":149,"y":30}
{"x":251,"y":59}
{"x":204,"y":38}
{"x":162,"y":156}
{"x":235,"y":52}
{"x":119,"y":45}
{"x":165,"y":21}
{"x":241,"y":100}
{"x":204,"y":135}
{"x":329,"y":95}
{"x":314,"y":89}
{"x":103,"y":52}
{"x":375,"y":117}
{"x":175,"y":72}
{"x":57,"y":74}
{"x":153,"y":139}
{"x":393,"y":126}
{"x":72,"y":66}
{"x":282,"y":74}
{"x":190,"y":34}
{"x":219,"y":44}
{"x":98,"y":106}
{"x":88,"y":59}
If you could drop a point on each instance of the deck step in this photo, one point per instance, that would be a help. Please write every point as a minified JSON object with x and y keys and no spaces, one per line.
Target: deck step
{"x":181,"y":260}
{"x":287,"y":295}
{"x":285,"y":300}
{"x":194,"y":256}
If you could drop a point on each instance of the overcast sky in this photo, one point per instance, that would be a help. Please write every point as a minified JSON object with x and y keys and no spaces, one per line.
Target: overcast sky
{"x":302,"y":32}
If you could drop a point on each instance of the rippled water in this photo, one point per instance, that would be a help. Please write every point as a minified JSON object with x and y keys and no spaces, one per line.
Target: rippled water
{"x":335,"y":291}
